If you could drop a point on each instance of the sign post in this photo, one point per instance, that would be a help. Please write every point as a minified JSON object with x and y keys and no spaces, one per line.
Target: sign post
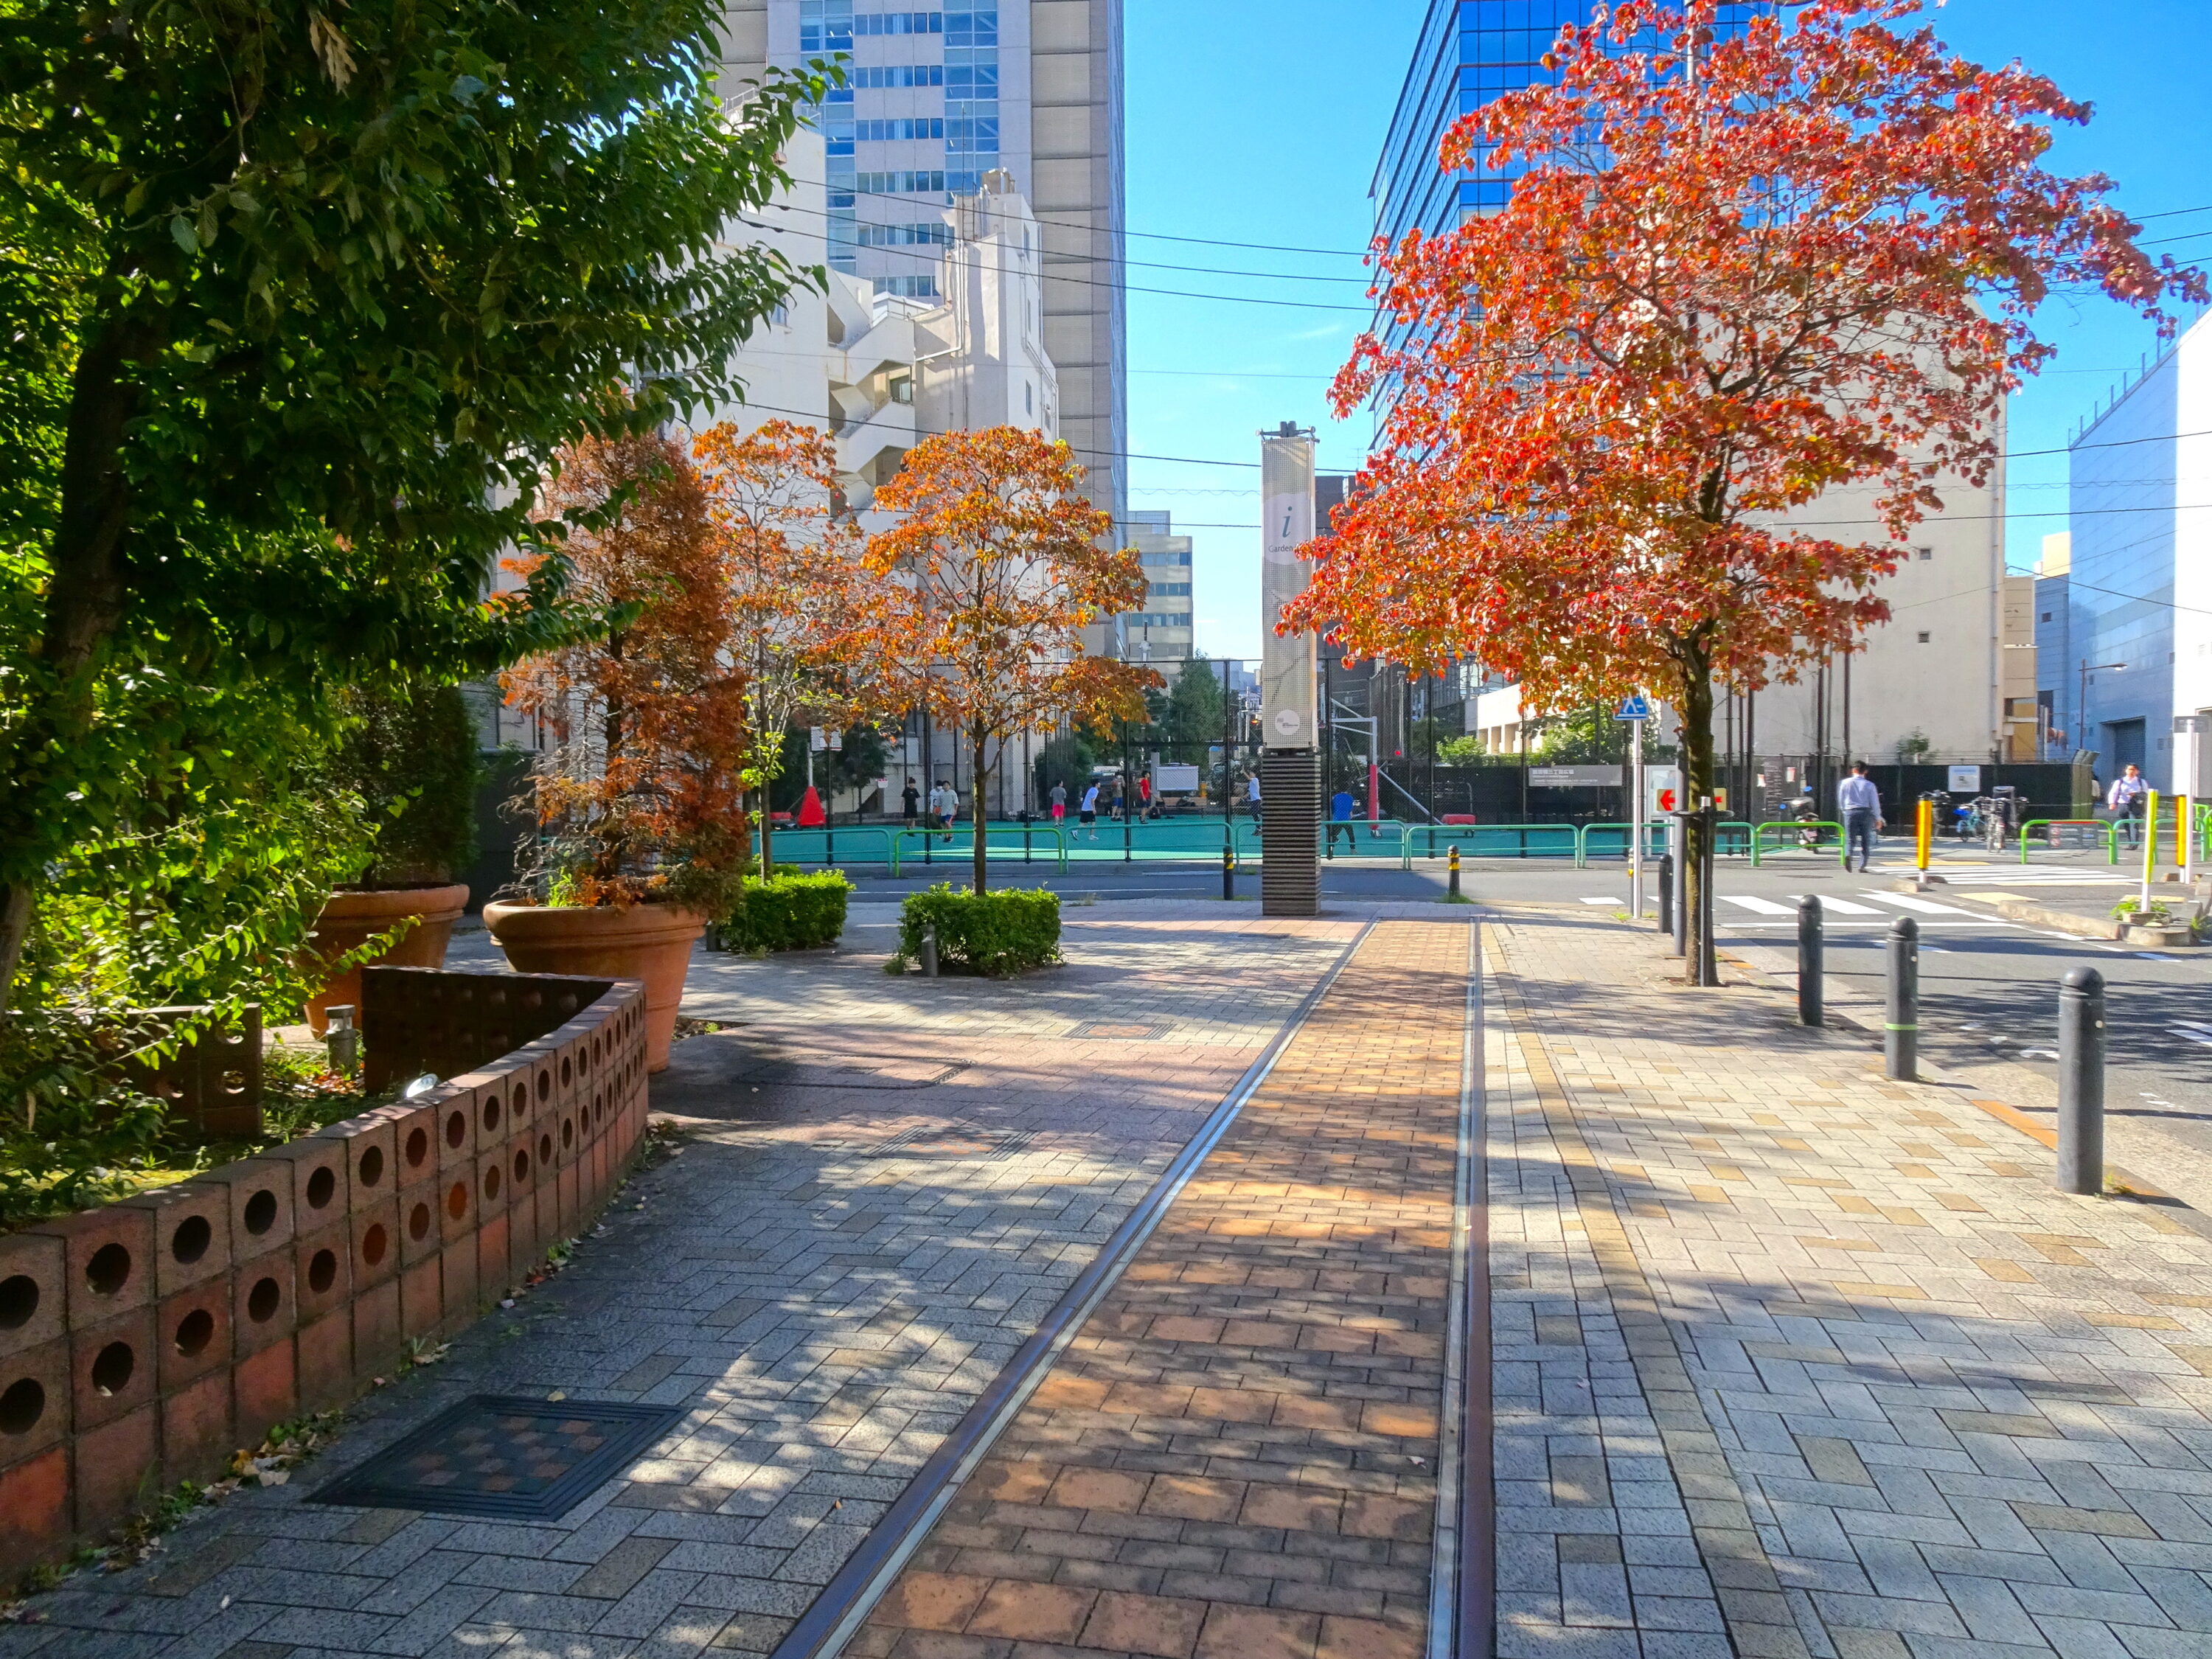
{"x":1290,"y":768}
{"x":1635,"y":711}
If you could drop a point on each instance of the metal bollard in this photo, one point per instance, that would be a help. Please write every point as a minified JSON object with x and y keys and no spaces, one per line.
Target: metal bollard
{"x":2082,"y":1082}
{"x":342,"y":1036}
{"x":929,"y":952}
{"x":1667,"y":893}
{"x":1812,"y":960}
{"x":1228,"y":872}
{"x":1454,"y":867}
{"x":1900,"y":1030}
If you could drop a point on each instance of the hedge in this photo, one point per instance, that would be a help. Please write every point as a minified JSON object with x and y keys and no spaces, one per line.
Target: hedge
{"x":993,"y":933}
{"x":789,"y":911}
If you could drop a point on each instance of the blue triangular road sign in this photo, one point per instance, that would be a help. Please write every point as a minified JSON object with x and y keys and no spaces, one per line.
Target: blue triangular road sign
{"x":1634,"y":709}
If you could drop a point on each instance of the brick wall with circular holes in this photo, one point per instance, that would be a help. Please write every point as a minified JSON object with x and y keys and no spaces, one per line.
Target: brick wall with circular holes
{"x":142,"y":1343}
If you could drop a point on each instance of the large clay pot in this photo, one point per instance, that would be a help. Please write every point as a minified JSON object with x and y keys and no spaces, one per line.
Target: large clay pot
{"x":351,"y":918}
{"x":648,"y":942}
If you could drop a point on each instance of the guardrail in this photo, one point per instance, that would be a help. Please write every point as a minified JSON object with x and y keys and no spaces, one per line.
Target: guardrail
{"x":1843,"y":847}
{"x":789,"y":846}
{"x":2111,"y":834}
{"x":1654,"y":841}
{"x":948,"y":842}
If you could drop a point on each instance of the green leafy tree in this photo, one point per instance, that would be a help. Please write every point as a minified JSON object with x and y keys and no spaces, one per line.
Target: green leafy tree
{"x":301,"y":303}
{"x":412,"y":756}
{"x":1192,"y":719}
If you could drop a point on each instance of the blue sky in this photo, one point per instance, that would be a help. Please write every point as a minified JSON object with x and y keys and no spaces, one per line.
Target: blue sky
{"x":1258,"y":122}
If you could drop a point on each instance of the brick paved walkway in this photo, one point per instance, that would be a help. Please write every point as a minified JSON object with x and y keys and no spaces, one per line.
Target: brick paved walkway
{"x":1236,"y":1459}
{"x":825,"y":1305}
{"x":1793,"y":1360}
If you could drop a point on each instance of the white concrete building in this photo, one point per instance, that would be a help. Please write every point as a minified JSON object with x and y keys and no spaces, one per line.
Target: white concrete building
{"x":2139,"y":590}
{"x":880,"y":370}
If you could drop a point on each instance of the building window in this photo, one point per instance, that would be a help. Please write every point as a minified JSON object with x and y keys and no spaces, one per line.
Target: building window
{"x":2046,"y":616}
{"x":1924,"y":639}
{"x":886,"y":132}
{"x":1925,"y":553}
{"x":927,"y":235}
{"x":1029,"y":399}
{"x":913,"y":288}
{"x":898,"y":75}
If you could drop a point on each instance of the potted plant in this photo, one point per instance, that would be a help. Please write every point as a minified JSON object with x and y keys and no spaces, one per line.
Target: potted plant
{"x":410,"y":755}
{"x":637,"y":793}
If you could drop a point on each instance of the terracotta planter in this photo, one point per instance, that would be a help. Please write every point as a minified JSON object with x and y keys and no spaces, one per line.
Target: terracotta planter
{"x":648,"y":942}
{"x":350,"y":919}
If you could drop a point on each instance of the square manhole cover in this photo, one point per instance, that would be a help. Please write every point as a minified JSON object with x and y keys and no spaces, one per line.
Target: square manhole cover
{"x":507,"y":1455}
{"x":952,"y":1140}
{"x":1125,"y":1030}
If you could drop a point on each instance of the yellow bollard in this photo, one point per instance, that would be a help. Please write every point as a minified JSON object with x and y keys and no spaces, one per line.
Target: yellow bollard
{"x":2150,"y":851}
{"x":1924,"y":838}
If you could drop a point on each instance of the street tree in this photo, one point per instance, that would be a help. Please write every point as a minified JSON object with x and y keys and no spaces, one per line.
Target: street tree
{"x":637,"y":797}
{"x":995,"y":565}
{"x":798,"y":595}
{"x":301,"y":299}
{"x":1732,"y":276}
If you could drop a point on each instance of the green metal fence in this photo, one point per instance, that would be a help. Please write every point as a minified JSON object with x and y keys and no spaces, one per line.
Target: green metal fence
{"x":2111,"y":834}
{"x":1799,"y":825}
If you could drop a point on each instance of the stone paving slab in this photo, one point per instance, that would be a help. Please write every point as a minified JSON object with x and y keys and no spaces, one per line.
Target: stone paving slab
{"x":823,"y":1307}
{"x":1828,"y":1345}
{"x":1236,"y":1459}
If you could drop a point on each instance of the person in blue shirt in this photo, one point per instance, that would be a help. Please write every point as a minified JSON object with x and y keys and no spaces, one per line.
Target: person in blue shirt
{"x":1859,"y":803}
{"x":1339,"y":819}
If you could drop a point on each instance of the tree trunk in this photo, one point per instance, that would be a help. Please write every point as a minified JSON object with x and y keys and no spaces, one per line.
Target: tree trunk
{"x":84,"y":607}
{"x":976,"y":780}
{"x":1700,"y":964}
{"x":768,"y":831}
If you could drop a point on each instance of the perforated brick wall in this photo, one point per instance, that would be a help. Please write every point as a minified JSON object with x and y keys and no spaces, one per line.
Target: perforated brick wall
{"x":142,"y":1343}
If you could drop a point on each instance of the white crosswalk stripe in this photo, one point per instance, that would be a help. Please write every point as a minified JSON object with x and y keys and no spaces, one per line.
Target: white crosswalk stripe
{"x":1764,"y":907}
{"x":1846,"y":907}
{"x":1614,"y":901}
{"x":1919,"y":906}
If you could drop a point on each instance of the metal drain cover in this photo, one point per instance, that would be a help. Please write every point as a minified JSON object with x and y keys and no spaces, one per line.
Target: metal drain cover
{"x":952,"y":1140}
{"x":1124,"y":1030}
{"x":506,"y":1456}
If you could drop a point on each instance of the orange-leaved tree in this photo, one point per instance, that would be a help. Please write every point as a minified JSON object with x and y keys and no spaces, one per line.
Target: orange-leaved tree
{"x":638,"y":794}
{"x":799,"y":615}
{"x":994,"y":566}
{"x":1732,"y":275}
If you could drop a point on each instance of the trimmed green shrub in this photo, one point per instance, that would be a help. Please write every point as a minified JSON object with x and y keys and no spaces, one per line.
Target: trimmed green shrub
{"x":411,"y":755}
{"x":789,"y":911}
{"x":993,"y":933}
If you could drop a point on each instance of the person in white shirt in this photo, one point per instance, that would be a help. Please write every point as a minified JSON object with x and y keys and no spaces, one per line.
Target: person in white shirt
{"x":1252,"y":795}
{"x":946,"y":806}
{"x":1090,"y":811}
{"x":2129,"y":801}
{"x":1860,"y":805}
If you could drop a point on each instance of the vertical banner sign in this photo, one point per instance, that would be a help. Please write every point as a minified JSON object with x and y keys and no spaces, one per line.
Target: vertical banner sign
{"x":1286,"y":663}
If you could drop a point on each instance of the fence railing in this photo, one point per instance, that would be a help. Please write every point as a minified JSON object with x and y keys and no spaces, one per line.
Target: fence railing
{"x":998,"y":844}
{"x":2111,"y":835}
{"x":1798,"y":826}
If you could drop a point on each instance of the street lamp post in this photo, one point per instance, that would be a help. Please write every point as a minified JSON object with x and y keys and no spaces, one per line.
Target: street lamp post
{"x":2081,"y":703}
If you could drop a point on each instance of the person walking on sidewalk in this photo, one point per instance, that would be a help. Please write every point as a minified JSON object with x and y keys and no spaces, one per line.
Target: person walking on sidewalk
{"x":2130,"y":800}
{"x":1859,"y":803}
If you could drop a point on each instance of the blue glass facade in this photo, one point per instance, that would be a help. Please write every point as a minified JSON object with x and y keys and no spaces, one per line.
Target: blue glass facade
{"x":1469,"y":52}
{"x":956,"y":51}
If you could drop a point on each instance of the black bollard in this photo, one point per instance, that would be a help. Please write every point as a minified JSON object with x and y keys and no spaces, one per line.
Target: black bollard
{"x":1454,"y":867}
{"x":1812,"y":960}
{"x":2082,"y":1082}
{"x":929,"y":950}
{"x":1667,"y":893}
{"x":1900,"y":1030}
{"x":1228,"y":872}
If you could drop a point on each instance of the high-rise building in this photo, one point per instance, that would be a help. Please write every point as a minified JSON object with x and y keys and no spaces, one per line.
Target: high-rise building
{"x":934,"y":101}
{"x":1469,"y":52}
{"x":1160,"y":632}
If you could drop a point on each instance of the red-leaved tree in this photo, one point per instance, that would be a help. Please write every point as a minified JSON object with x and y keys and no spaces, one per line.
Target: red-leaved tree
{"x":798,"y":611}
{"x":995,"y":565}
{"x":1732,"y":276}
{"x":638,"y":796}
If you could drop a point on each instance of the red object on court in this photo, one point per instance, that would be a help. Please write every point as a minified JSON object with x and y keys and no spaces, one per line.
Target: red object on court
{"x":810,"y":815}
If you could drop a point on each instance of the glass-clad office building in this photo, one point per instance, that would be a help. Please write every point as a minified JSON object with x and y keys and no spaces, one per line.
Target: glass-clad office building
{"x":1469,"y":52}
